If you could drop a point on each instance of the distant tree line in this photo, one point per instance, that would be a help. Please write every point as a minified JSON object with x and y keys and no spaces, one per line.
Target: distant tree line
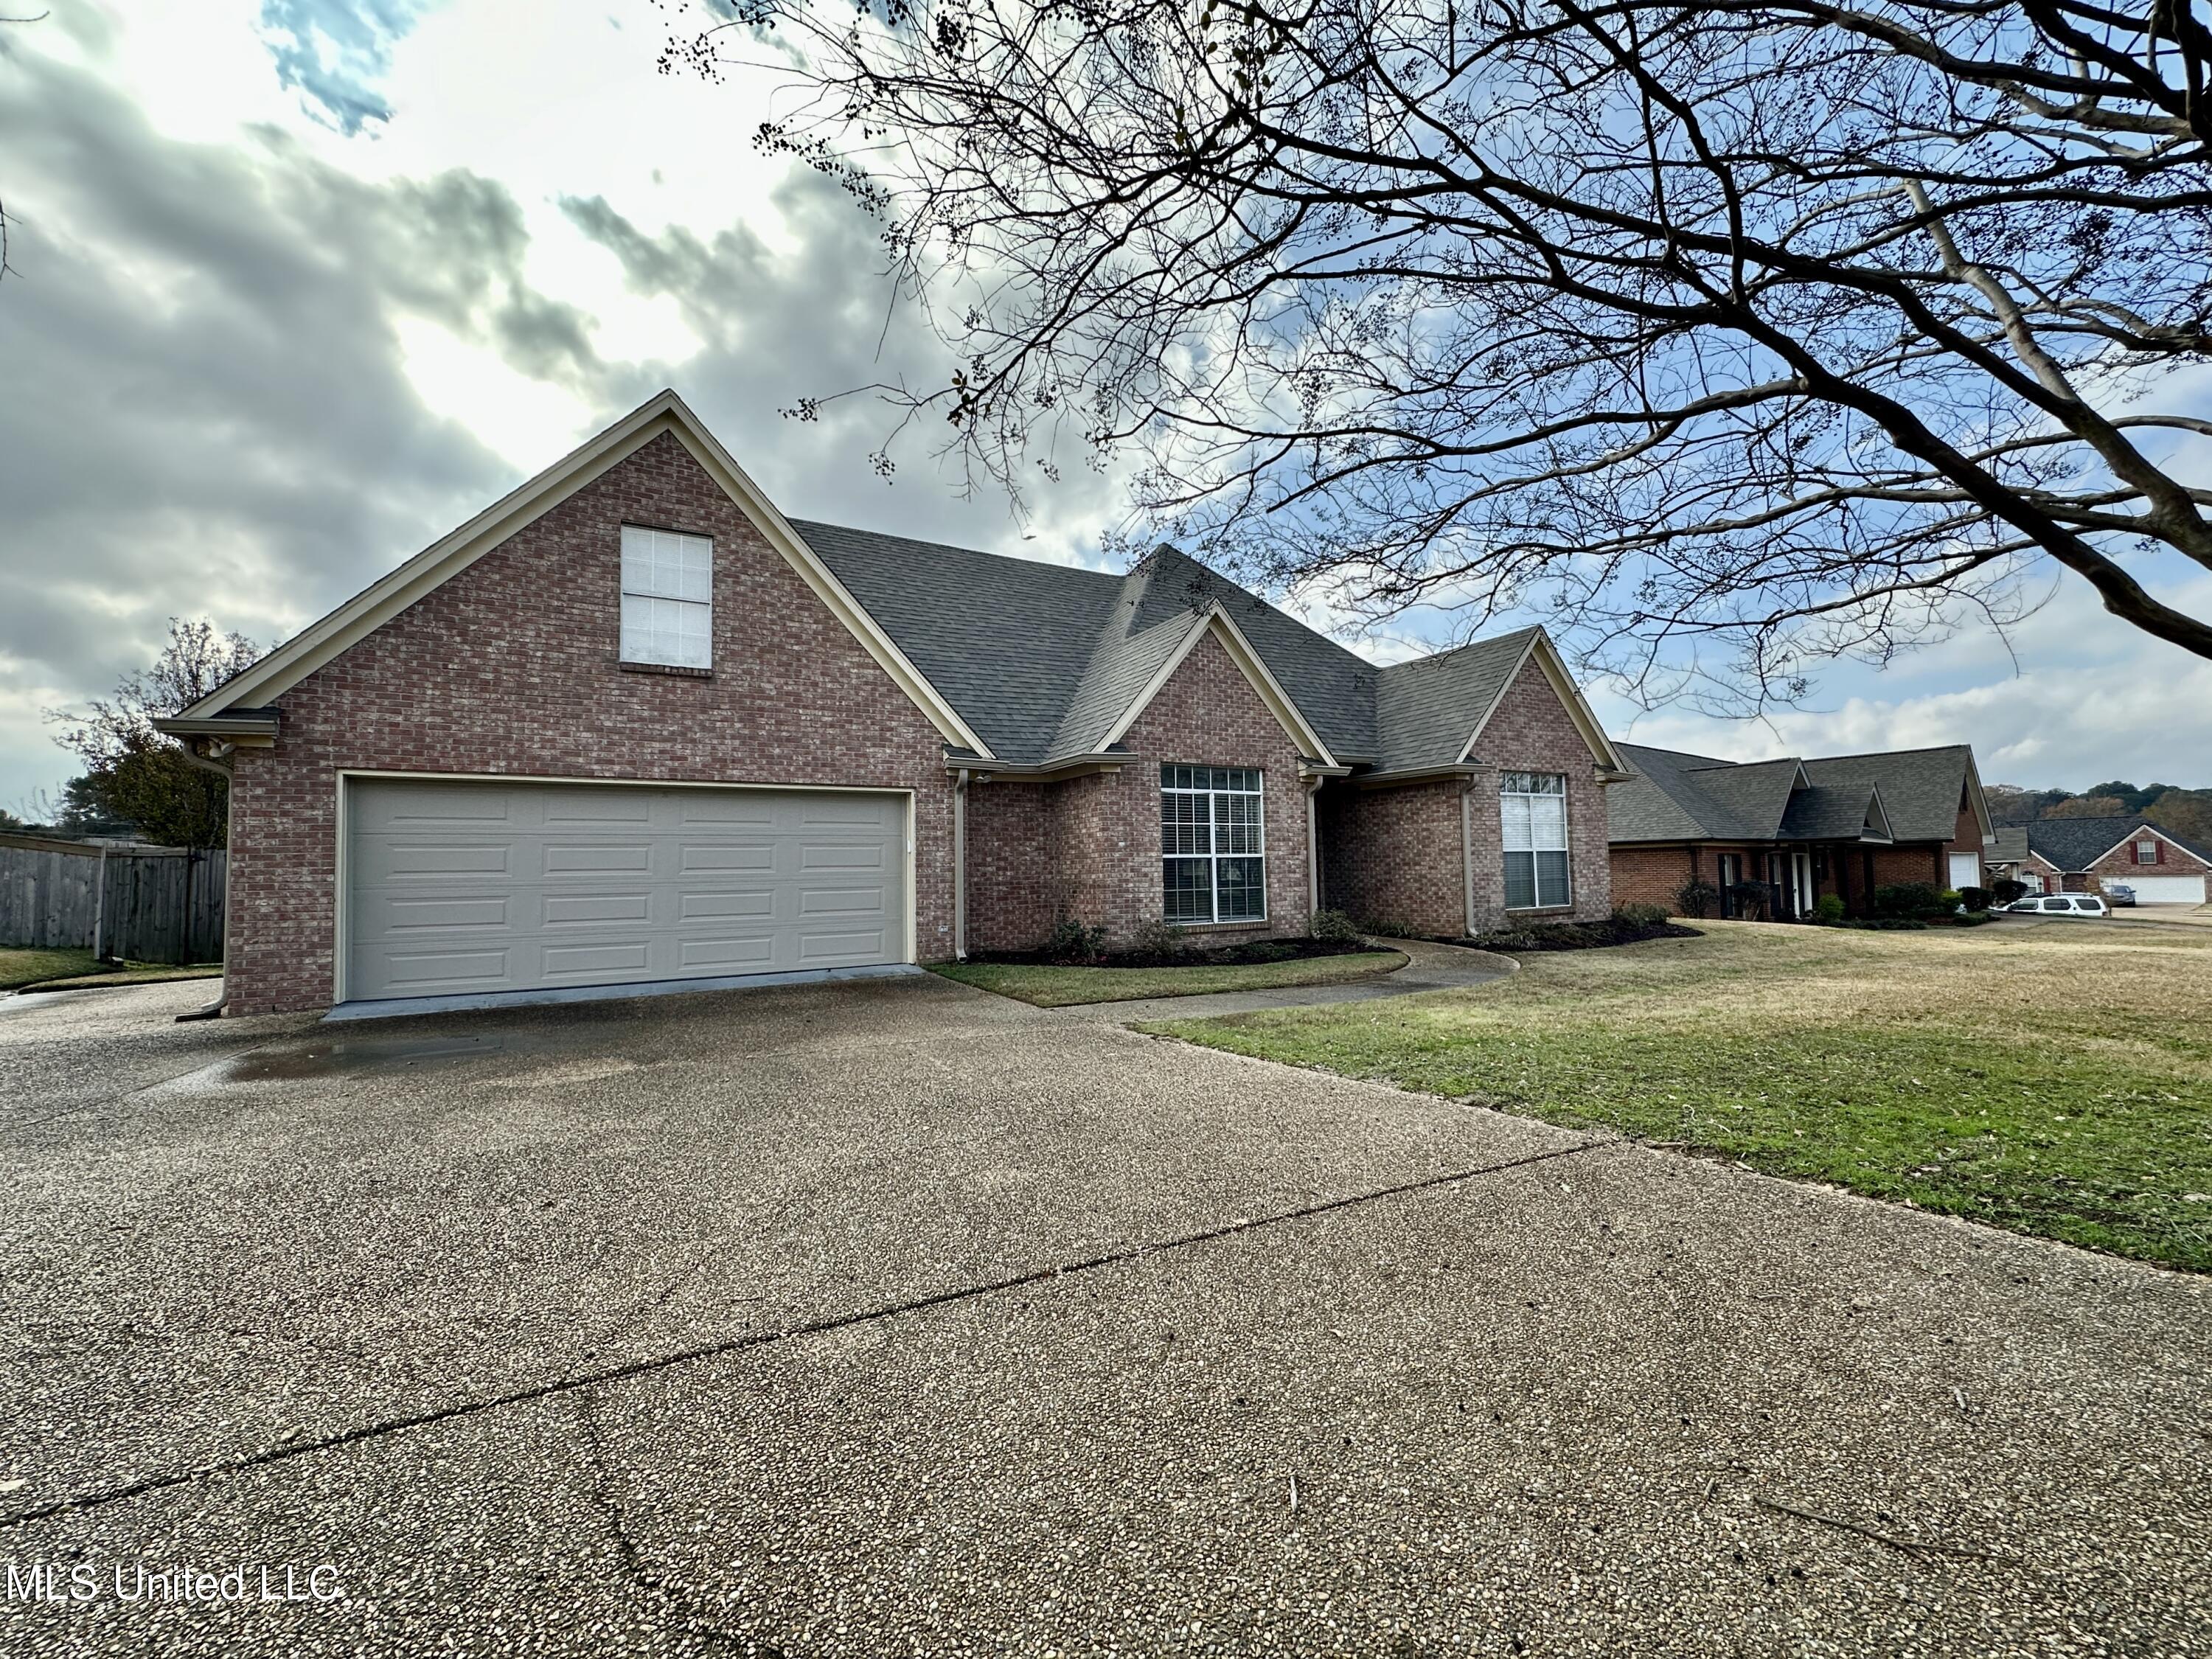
{"x":2186,"y":812}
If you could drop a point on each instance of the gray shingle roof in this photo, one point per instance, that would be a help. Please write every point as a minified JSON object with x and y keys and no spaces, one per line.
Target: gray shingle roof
{"x":2008,"y":843}
{"x":1663,"y":801}
{"x":1682,"y":797}
{"x":1921,"y":788}
{"x":1427,"y":708}
{"x":1828,"y":812}
{"x":2075,"y":844}
{"x":1755,"y":794}
{"x":1042,"y":659}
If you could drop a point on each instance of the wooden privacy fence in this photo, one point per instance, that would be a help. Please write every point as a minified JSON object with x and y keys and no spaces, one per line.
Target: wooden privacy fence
{"x":143,"y":903}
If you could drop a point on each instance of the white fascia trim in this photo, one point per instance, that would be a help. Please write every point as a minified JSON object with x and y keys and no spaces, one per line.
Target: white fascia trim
{"x":447,"y":557}
{"x":1216,"y":621}
{"x":1974,"y":795}
{"x":1877,"y":813}
{"x":1570,"y":695}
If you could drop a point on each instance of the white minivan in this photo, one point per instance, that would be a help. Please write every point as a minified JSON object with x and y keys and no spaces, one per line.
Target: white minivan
{"x":2074,"y":905}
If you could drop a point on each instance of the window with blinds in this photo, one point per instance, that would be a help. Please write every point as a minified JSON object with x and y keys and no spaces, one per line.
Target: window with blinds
{"x":1533,"y":808}
{"x":1212,"y":844}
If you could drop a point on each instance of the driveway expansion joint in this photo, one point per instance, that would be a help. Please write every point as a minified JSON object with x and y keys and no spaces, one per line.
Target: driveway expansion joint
{"x":591,"y":1381}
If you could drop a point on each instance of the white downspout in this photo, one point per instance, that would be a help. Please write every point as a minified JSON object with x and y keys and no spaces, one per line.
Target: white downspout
{"x":960,"y":865}
{"x":1313,"y":848}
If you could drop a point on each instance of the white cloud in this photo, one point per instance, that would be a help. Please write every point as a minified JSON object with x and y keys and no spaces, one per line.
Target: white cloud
{"x":265,"y":346}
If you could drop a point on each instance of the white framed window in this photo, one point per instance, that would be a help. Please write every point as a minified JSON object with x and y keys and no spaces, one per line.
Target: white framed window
{"x":667,"y":598}
{"x":2147,"y":851}
{"x":1213,"y":850}
{"x":1534,"y":807}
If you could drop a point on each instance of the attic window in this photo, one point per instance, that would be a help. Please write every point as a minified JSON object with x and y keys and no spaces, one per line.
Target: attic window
{"x":667,"y":598}
{"x":2147,"y":851}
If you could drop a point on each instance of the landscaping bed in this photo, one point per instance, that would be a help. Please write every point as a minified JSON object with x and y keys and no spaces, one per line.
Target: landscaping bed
{"x":2055,"y":1081}
{"x":1574,"y":935}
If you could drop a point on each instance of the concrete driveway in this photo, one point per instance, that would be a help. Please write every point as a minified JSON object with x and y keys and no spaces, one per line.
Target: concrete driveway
{"x":894,"y":1318}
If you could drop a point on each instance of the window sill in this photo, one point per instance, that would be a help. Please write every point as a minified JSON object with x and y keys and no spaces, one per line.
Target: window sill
{"x":670,"y":669}
{"x":1194,"y":926}
{"x":1534,"y":909}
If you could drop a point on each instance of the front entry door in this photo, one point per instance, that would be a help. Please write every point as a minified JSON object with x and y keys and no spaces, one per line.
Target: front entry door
{"x":1800,"y":873}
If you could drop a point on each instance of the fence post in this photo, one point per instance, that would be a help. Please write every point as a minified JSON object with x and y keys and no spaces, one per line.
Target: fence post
{"x":99,"y":903}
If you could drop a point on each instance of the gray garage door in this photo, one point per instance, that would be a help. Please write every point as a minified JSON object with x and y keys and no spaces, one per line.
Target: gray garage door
{"x":463,"y":887}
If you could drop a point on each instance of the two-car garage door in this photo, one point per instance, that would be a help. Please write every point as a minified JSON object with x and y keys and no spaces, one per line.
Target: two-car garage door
{"x":2164,"y":889}
{"x":458,"y":887}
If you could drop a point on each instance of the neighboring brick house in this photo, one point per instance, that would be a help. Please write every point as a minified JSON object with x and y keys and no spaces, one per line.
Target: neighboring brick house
{"x":2088,"y":855}
{"x":1800,"y":829}
{"x":630,"y":725}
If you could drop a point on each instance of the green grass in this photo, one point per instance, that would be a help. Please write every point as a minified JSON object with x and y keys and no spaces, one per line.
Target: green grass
{"x":1059,"y":988}
{"x":69,"y":970}
{"x":2047,"y":1081}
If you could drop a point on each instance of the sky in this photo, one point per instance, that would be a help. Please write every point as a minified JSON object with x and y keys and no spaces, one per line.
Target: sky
{"x":295,"y":286}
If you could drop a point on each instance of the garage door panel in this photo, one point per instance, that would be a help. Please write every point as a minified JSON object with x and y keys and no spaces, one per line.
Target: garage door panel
{"x":575,"y":909}
{"x":841,"y":901}
{"x":736,"y":904}
{"x":737,"y":953}
{"x":700,"y":858}
{"x":508,"y":886}
{"x":440,"y":914}
{"x":399,"y":855}
{"x":428,"y":973}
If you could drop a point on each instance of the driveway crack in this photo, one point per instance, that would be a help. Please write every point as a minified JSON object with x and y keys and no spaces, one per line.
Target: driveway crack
{"x":716,"y":1350}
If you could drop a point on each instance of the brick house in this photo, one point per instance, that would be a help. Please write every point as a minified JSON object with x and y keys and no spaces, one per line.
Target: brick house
{"x":630,"y":725}
{"x":2087,"y":855}
{"x":1800,"y":828}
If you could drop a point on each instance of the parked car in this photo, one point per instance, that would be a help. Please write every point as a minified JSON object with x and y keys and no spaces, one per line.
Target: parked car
{"x":2076,"y":906}
{"x":2119,"y":893}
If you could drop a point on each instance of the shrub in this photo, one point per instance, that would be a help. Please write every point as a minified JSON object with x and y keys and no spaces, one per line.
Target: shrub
{"x":1752,"y":900}
{"x":1390,"y":927}
{"x":2007,"y":891}
{"x":1973,"y":918}
{"x":1910,"y":898}
{"x":1334,"y":926}
{"x":1974,"y":898}
{"x":1697,"y":898}
{"x":1829,"y":910}
{"x":1640,"y":915}
{"x":1071,"y":941}
{"x":1160,"y":940}
{"x":1269,"y":949}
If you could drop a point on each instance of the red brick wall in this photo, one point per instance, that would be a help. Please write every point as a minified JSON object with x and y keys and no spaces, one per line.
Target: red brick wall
{"x":1651,"y":875}
{"x":1016,"y":886}
{"x":1530,"y":732}
{"x":511,"y":667}
{"x":1089,"y":849}
{"x":1392,"y":857}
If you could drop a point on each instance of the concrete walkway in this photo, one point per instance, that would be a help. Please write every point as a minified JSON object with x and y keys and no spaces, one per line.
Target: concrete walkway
{"x":1429,"y":968}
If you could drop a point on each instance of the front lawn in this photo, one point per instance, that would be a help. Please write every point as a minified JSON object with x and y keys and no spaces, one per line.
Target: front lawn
{"x":73,"y":971}
{"x":2050,"y":1080}
{"x":1050,"y":986}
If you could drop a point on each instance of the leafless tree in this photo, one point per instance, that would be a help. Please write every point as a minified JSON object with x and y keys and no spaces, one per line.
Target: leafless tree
{"x":1812,"y":327}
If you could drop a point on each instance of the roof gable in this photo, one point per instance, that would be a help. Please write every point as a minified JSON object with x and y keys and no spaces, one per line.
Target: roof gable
{"x":325,"y":640}
{"x":1922,"y":788}
{"x":2074,"y":844}
{"x":1017,"y":661}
